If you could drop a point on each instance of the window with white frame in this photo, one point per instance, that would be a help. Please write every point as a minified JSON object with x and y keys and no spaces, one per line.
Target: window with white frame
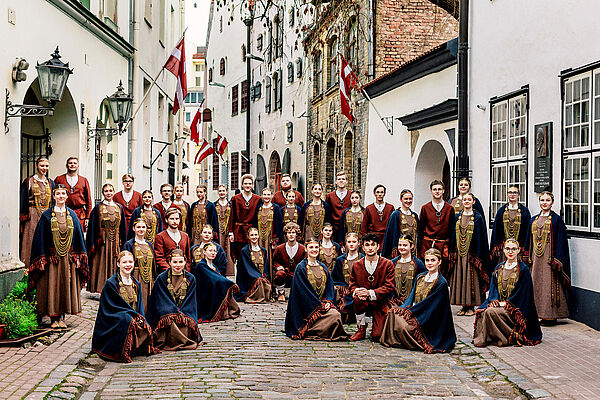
{"x":508,"y":149}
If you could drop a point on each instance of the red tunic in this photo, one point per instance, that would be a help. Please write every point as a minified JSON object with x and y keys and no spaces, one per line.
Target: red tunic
{"x":434,"y":231}
{"x":279,"y":199}
{"x":374,"y":223}
{"x":383,"y":285}
{"x":336,"y":208}
{"x":80,"y":197}
{"x":243,"y":216}
{"x":128,"y":207}
{"x":159,"y":206}
{"x":164,"y":245}
{"x":282,"y":259}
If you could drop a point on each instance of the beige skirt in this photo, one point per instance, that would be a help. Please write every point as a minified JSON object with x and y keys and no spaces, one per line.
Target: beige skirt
{"x":260,"y":292}
{"x":328,"y":327}
{"x":58,"y":290}
{"x":494,"y":327}
{"x":397,"y":332}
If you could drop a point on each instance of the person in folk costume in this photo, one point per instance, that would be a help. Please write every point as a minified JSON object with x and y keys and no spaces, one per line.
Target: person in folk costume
{"x":338,"y":200}
{"x":403,"y":221}
{"x":80,"y":194}
{"x":172,"y":309}
{"x":508,"y":316}
{"x":290,"y":212}
{"x":121,"y":331}
{"x":223,"y":210}
{"x":253,"y":271}
{"x":329,"y":250}
{"x":128,"y":198}
{"x":206,"y":237}
{"x":215,"y":293}
{"x":372,"y":285}
{"x":36,"y":197}
{"x":424,"y":321}
{"x":244,"y":213}
{"x":352,"y":218}
{"x":311,"y":312}
{"x":105,"y":238}
{"x":547,"y":254}
{"x":170,"y":239}
{"x":406,"y":267}
{"x":280,"y":197}
{"x":511,"y":222}
{"x":166,"y":202}
{"x":150,"y":215}
{"x":59,"y":263}
{"x":183,"y":205}
{"x":270,"y":225}
{"x":436,"y":224}
{"x":341,"y":277}
{"x":377,"y":215}
{"x":315,"y":213}
{"x":143,"y":255}
{"x":202,"y":212}
{"x":285,"y":259}
{"x":464,"y":187}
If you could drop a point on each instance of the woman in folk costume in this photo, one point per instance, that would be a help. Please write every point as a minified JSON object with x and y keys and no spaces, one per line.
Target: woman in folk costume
{"x":315,"y":213}
{"x":424,"y":321}
{"x":311,"y":312}
{"x":214,"y":294}
{"x":59,"y":263}
{"x":253,"y":271}
{"x":184,"y":207}
{"x":547,"y":253}
{"x":508,"y":317}
{"x":143,"y":255}
{"x":223,"y":210}
{"x":202,"y":212}
{"x":341,"y":277}
{"x":105,"y":238}
{"x":403,"y":221}
{"x":352,"y":217}
{"x":511,"y":222}
{"x":329,"y":250}
{"x":172,"y":309}
{"x":121,"y":331}
{"x":291,"y":212}
{"x":36,"y":197}
{"x":406,"y":268}
{"x":269,"y":223}
{"x":464,"y":187}
{"x":206,"y":237}
{"x":469,"y":274}
{"x":150,"y":215}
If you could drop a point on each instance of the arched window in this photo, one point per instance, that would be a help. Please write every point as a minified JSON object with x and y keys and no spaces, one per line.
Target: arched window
{"x":332,"y":70}
{"x":222,"y":67}
{"x":352,"y":44}
{"x":210,"y":75}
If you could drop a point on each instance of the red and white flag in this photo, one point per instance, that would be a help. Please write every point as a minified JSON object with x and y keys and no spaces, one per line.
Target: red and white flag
{"x":221,"y":145}
{"x":205,"y":151}
{"x":197,"y":125}
{"x":176,"y":65}
{"x":347,"y":82}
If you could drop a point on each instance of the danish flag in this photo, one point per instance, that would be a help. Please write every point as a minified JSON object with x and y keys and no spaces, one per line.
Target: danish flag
{"x":176,"y":65}
{"x":347,"y":82}
{"x":221,"y":145}
{"x":197,"y":125}
{"x":205,"y":151}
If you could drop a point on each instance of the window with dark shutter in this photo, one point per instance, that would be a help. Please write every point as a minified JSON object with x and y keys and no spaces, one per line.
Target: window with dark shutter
{"x":234,"y":100}
{"x":298,"y":67}
{"x":215,"y":166}
{"x":268,"y":95}
{"x":245,"y":163}
{"x":279,"y":90}
{"x":244,"y":99}
{"x":210,"y":75}
{"x":235,"y":171}
{"x":290,"y":69}
{"x":222,"y":67}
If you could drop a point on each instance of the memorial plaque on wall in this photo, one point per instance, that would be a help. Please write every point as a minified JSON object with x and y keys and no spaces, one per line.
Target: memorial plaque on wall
{"x":542,"y":176}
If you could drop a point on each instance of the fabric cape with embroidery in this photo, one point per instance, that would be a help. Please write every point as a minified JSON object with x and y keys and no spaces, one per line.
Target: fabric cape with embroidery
{"x":220,"y":260}
{"x":324,"y":206}
{"x":393,"y":233}
{"x":277,"y":224}
{"x":117,"y":323}
{"x":345,"y":303}
{"x":212,"y":218}
{"x":498,"y":234}
{"x":94,"y":236}
{"x":248,"y":274}
{"x":420,"y":269}
{"x":342,"y":230}
{"x":214,"y":292}
{"x":24,"y":199}
{"x":137,"y":213}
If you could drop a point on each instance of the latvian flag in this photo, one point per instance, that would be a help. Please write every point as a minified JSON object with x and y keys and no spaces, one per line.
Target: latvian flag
{"x":347,"y":83}
{"x":176,"y":65}
{"x":221,"y":145}
{"x":205,"y":151}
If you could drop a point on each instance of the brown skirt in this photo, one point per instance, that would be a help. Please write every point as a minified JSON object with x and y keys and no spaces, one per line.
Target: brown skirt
{"x":260,"y":292}
{"x":397,"y":332}
{"x":232,"y":310}
{"x":58,"y":290}
{"x":174,"y":337}
{"x":549,"y":302}
{"x":141,"y":342}
{"x":146,"y":287}
{"x":27,"y":236}
{"x":226,"y":245}
{"x":494,"y":327}
{"x":465,"y":284}
{"x":328,"y":327}
{"x":103,"y":264}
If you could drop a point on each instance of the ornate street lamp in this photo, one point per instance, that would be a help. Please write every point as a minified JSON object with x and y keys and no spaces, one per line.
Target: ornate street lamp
{"x":119,"y":105}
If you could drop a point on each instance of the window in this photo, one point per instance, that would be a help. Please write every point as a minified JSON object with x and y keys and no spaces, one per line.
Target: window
{"x":109,"y":12}
{"x":243,"y":53}
{"x":234,"y":100}
{"x":86,"y":3}
{"x":244,"y":99}
{"x":162,"y":31}
{"x":200,"y":97}
{"x":270,"y":44}
{"x":222,"y":67}
{"x":221,"y":24}
{"x":352,"y":44}
{"x":290,"y":71}
{"x":332,"y":62}
{"x":210,"y":75}
{"x":198,"y":81}
{"x":318,"y":74}
{"x":187,"y":117}
{"x":215,"y":166}
{"x":235,"y":171}
{"x":245,"y":163}
{"x":197,"y":66}
{"x":291,"y":14}
{"x":279,"y":49}
{"x":259,"y":42}
{"x":290,"y":132}
{"x":268,"y":95}
{"x":298,"y":67}
{"x":509,"y":148}
{"x":261,"y":140}
{"x":257,"y":91}
{"x":192,"y":97}
{"x":277,"y":90}
{"x":148,"y":12}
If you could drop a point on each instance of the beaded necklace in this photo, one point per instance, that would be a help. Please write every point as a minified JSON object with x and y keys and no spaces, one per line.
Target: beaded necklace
{"x":223,"y":218}
{"x":199,"y":219}
{"x":316,"y":226}
{"x":506,"y":280}
{"x":404,"y":281}
{"x":289,"y":217}
{"x":144,"y":261}
{"x":150,"y":234}
{"x":327,"y":259}
{"x":41,"y":202}
{"x":422,"y":290}
{"x":258,"y":262}
{"x":318,"y":283}
{"x":265,"y":226}
{"x":353,"y":221}
{"x":131,"y":300}
{"x":541,"y":239}
{"x":511,"y":228}
{"x":110,"y":225}
{"x":62,"y":240}
{"x":464,"y":235}
{"x":179,"y":294}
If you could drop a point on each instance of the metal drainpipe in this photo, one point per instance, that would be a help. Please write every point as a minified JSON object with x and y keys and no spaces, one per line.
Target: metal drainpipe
{"x":462,"y":159}
{"x":248,"y":23}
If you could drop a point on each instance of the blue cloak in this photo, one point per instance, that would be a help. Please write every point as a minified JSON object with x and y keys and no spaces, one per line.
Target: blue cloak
{"x":299,"y":222}
{"x":213,"y":294}
{"x":220,"y":260}
{"x":137,"y":213}
{"x":304,"y":306}
{"x":345,"y":303}
{"x":498,"y":236}
{"x":520,"y":306}
{"x":303,"y":215}
{"x":342,"y":227}
{"x":94,"y":236}
{"x":130,"y":247}
{"x":420,"y":269}
{"x":277,"y":228}
{"x":212,"y":218}
{"x":392,"y":234}
{"x":117,"y":323}
{"x":24,"y":199}
{"x":248,"y":273}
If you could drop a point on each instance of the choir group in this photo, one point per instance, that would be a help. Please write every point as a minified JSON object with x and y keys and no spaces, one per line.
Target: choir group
{"x":162,"y":268}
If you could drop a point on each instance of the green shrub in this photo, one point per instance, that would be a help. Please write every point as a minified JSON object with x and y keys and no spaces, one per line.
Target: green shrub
{"x":19,"y":317}
{"x":20,"y":289}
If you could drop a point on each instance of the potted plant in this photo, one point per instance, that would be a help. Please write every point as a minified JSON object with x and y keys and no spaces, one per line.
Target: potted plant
{"x":17,"y":315}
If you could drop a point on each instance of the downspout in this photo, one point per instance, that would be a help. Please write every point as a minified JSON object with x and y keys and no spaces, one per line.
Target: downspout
{"x":462,"y":159}
{"x":130,"y":80}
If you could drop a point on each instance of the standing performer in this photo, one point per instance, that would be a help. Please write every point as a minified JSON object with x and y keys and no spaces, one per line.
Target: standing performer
{"x":377,"y":215}
{"x":469,"y":261}
{"x":128,"y":198}
{"x":311,"y":313}
{"x":59,"y":263}
{"x":407,"y":267}
{"x":150,"y":215}
{"x":170,"y":239}
{"x":80,"y":195}
{"x":547,"y":252}
{"x":329,"y":250}
{"x":202,"y":212}
{"x":166,"y":192}
{"x":206,"y":237}
{"x":244,"y":210}
{"x":172,"y":309}
{"x":270,"y":226}
{"x":105,"y":239}
{"x":36,"y":196}
{"x":508,"y":317}
{"x":424,"y":321}
{"x":338,"y":200}
{"x":121,"y":331}
{"x":285,"y":259}
{"x":183,"y":205}
{"x":403,"y":221}
{"x":315,"y":213}
{"x":280,"y":198}
{"x":253,"y":272}
{"x":143,"y":255}
{"x":436,"y":222}
{"x":290,"y":212}
{"x":352,"y":218}
{"x":341,"y":277}
{"x":464,"y":187}
{"x":511,"y":222}
{"x":372,"y":285}
{"x":223,"y":210}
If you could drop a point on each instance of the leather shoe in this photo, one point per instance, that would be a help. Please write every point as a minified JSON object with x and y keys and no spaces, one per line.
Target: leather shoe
{"x":360,"y":334}
{"x":281,"y":297}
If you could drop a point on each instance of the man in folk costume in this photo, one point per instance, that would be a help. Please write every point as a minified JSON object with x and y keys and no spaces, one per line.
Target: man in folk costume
{"x":285,"y":259}
{"x":128,"y":198}
{"x":436,"y":221}
{"x":166,"y":192}
{"x":202,"y":212}
{"x":170,"y":239}
{"x":183,"y":205}
{"x":80,"y":195}
{"x":372,"y":284}
{"x":377,"y":215}
{"x":244,"y":210}
{"x":338,"y":200}
{"x":279,"y":197}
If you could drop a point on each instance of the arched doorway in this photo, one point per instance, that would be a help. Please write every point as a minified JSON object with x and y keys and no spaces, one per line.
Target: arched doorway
{"x":330,"y":165}
{"x":431,"y":164}
{"x":35,"y":138}
{"x":349,"y":158}
{"x":287,"y":159}
{"x":274,"y":171}
{"x":261,"y":174}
